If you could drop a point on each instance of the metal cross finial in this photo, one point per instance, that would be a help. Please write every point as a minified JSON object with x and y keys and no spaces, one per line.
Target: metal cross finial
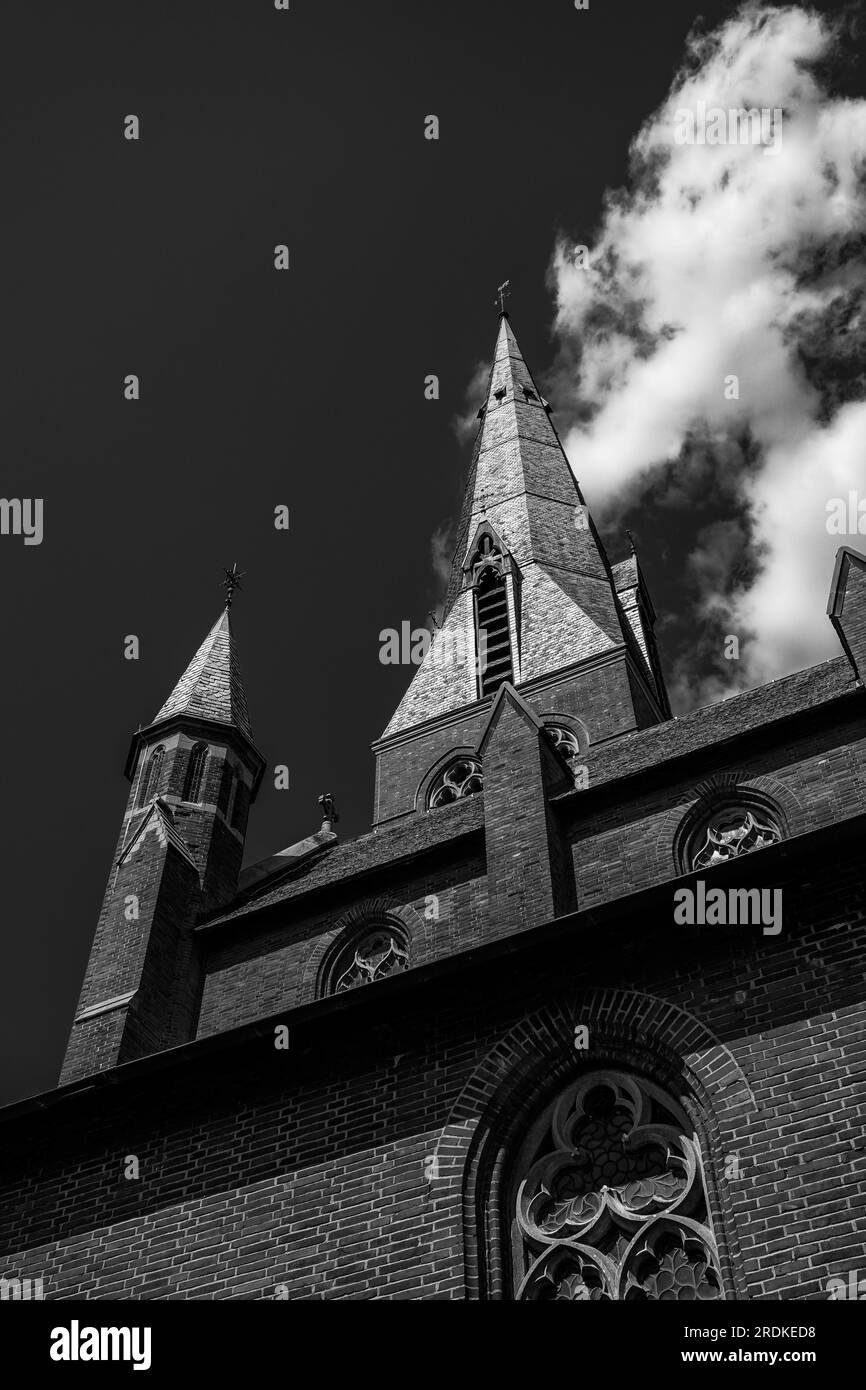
{"x":231,"y":582}
{"x":502,"y":293}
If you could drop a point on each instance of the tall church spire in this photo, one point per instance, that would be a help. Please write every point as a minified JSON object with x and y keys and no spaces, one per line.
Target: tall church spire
{"x":532,"y":606}
{"x":523,"y":503}
{"x":520,"y":481}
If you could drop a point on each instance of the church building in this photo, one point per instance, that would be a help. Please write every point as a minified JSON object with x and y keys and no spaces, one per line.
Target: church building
{"x":582,"y":1017}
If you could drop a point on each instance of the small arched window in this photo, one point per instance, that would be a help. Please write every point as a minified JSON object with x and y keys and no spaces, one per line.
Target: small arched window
{"x":373,"y":955}
{"x":730,"y":832}
{"x":151,"y":776}
{"x":608,"y":1202}
{"x":462,"y":777}
{"x":195,"y":772}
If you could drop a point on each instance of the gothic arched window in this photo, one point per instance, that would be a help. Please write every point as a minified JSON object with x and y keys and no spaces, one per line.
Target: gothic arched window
{"x":194,"y":772}
{"x":150,"y":777}
{"x":730,"y":832}
{"x":608,"y":1200}
{"x":378,"y":952}
{"x":462,"y":777}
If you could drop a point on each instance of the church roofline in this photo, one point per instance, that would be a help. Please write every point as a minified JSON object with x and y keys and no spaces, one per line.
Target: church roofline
{"x":355,"y":861}
{"x":751,"y":713}
{"x":266,"y":873}
{"x":587,"y":931}
{"x":626,"y":757}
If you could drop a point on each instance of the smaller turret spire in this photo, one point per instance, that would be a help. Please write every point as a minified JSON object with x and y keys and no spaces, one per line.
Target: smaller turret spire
{"x":211,"y":687}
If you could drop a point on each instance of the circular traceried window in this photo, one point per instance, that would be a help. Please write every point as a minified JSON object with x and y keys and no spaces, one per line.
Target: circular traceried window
{"x":729,"y":833}
{"x":376,"y":955}
{"x":463,"y":777}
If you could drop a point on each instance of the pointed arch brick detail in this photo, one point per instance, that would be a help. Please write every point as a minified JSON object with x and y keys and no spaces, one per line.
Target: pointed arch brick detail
{"x":535,"y":1057}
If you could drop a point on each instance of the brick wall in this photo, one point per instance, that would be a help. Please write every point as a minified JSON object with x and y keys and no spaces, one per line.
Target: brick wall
{"x":606,"y":697}
{"x":306,"y":1168}
{"x":309,"y":1169}
{"x":273,"y":964}
{"x":539,"y":857}
{"x":623,"y":842}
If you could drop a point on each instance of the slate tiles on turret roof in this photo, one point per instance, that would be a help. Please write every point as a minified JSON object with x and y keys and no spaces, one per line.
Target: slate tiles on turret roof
{"x":211,"y":686}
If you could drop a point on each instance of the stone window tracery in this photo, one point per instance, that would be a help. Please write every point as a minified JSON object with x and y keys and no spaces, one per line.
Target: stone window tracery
{"x":377,"y":954}
{"x":729,"y":833}
{"x":462,"y":777}
{"x":566,"y":741}
{"x":610,"y":1202}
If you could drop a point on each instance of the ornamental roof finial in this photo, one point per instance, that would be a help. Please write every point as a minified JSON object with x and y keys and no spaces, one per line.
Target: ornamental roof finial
{"x":231,"y":582}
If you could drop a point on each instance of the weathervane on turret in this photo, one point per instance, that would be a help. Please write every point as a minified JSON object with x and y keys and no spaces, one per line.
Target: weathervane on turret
{"x":503,"y":293}
{"x":231,"y":582}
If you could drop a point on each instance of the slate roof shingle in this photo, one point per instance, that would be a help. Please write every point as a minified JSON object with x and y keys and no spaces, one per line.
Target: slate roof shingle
{"x":211,"y":686}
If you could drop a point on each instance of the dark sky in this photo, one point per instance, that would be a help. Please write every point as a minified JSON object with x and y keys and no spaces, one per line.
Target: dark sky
{"x":258,"y":388}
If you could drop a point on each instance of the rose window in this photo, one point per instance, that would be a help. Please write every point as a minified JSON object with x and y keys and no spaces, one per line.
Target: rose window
{"x":378,"y":954}
{"x":730,"y":834}
{"x":612,"y":1204}
{"x":463,"y":777}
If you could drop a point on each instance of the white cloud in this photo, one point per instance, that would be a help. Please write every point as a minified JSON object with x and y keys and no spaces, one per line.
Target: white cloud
{"x":721,"y":260}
